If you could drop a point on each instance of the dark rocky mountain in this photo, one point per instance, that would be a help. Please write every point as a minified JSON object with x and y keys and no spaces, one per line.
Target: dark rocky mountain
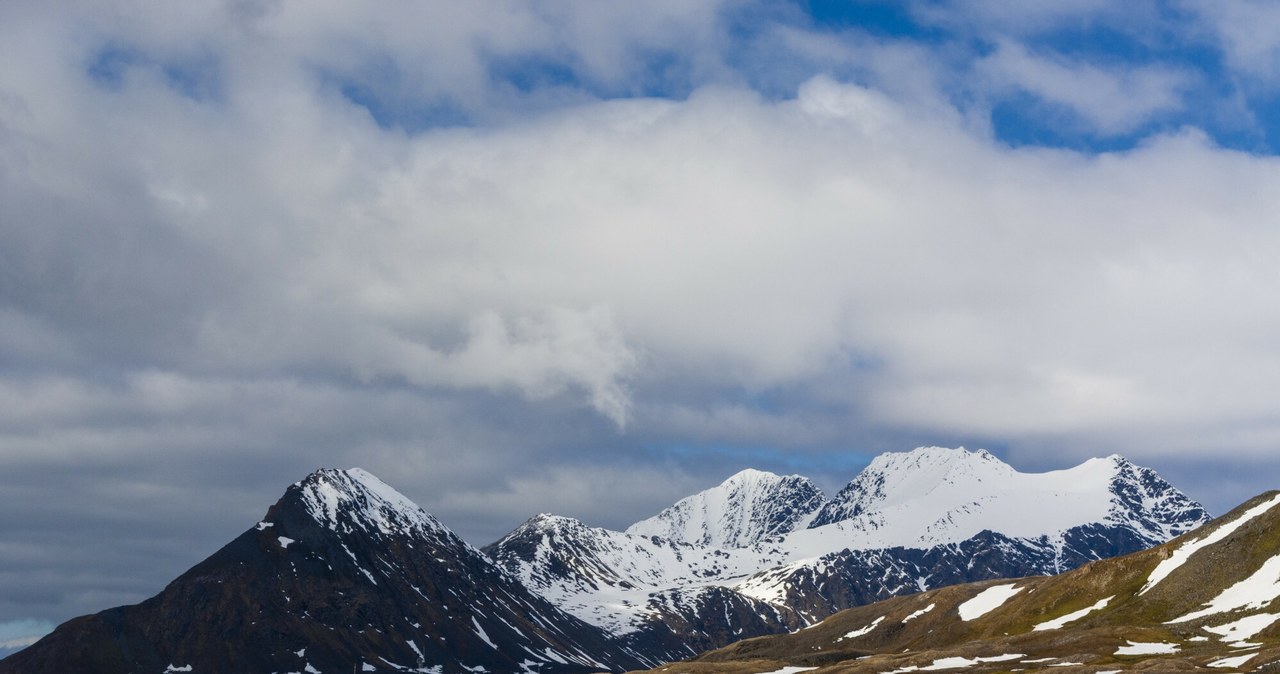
{"x":343,"y":574}
{"x":1208,"y":601}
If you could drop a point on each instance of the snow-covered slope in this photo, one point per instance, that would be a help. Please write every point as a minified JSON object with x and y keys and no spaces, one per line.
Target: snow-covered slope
{"x":935,"y":496}
{"x":745,"y":509}
{"x":910,"y":521}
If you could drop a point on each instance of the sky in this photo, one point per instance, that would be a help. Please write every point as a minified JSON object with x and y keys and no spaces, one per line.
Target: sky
{"x":588,"y":258}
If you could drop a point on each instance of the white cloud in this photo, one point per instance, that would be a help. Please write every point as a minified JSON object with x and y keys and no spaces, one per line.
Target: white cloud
{"x":640,"y":245}
{"x":993,"y":17}
{"x":1248,"y":32}
{"x":1109,"y":100}
{"x":190,"y":285}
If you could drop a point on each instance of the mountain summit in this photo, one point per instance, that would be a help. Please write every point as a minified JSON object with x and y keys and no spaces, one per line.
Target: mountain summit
{"x":747,"y":508}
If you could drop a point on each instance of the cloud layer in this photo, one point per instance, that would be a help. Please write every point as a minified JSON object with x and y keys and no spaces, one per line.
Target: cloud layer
{"x":581,"y":258}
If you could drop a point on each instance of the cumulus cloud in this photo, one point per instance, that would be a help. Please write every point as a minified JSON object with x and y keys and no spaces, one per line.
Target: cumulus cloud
{"x":456,"y":248}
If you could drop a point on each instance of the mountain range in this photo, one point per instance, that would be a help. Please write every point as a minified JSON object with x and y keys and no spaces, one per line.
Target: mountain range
{"x":345,"y":573}
{"x":762,"y":553}
{"x":1207,"y":601}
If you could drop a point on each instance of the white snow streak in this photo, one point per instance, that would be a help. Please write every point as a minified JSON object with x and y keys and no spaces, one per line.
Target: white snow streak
{"x":919,"y":613}
{"x":1059,"y":623}
{"x":987,"y":601}
{"x":1253,"y":592}
{"x":482,"y":634}
{"x":1233,"y":662}
{"x":1184,"y":551}
{"x":1244,"y":628}
{"x":865,"y":630}
{"x":1147,"y":648}
{"x":958,"y":662}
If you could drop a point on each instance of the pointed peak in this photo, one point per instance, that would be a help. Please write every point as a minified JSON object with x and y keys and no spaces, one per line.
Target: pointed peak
{"x":345,"y":499}
{"x":755,"y":476}
{"x":546,"y":521}
{"x":747,"y":507}
{"x":1114,"y":464}
{"x":747,"y":474}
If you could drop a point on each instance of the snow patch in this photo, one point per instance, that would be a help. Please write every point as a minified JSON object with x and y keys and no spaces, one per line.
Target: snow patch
{"x":1244,"y":628}
{"x":859,"y":632}
{"x":790,"y":670}
{"x":919,"y":613}
{"x":1147,"y":648}
{"x":1059,"y":623}
{"x":1253,"y":592}
{"x":264,"y":525}
{"x":174,"y":668}
{"x":285,"y":541}
{"x":959,"y":662}
{"x":987,"y":601}
{"x":1233,"y":662}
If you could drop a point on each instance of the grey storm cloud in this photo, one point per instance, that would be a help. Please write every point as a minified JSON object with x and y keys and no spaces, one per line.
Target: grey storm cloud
{"x":240,"y":241}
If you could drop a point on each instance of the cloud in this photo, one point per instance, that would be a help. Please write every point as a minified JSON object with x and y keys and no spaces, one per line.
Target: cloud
{"x":1248,"y":36}
{"x":471,"y":249}
{"x":1140,"y":19}
{"x":1108,"y":101}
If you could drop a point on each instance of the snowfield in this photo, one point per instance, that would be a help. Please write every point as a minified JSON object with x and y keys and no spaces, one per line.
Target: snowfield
{"x":757,"y":532}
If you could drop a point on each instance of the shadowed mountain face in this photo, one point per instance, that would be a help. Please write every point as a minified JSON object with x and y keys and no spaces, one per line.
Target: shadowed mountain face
{"x":342,"y":573}
{"x":1207,"y":601}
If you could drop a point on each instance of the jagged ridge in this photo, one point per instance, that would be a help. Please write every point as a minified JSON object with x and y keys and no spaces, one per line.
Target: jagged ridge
{"x":910,"y":521}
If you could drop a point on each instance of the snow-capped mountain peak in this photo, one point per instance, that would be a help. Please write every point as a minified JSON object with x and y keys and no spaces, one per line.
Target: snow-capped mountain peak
{"x":1144,"y":501}
{"x":343,"y":500}
{"x":899,"y":477}
{"x":746,"y":508}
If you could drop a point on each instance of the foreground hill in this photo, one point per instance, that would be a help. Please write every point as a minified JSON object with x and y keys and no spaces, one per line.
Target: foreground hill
{"x":1205,"y":601}
{"x":768,"y":554}
{"x":343,"y":573}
